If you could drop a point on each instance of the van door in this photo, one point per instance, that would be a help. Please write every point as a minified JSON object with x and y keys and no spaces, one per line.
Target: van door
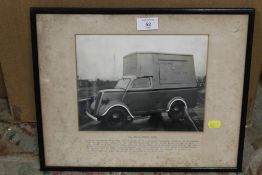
{"x":140,"y":97}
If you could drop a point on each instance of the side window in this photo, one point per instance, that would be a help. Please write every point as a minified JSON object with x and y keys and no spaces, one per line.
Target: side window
{"x":144,"y":82}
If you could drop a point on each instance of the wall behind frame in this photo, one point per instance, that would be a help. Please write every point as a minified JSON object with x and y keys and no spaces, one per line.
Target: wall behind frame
{"x":15,"y":42}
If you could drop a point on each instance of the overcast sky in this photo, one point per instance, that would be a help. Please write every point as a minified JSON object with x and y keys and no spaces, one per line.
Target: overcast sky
{"x":101,"y":56}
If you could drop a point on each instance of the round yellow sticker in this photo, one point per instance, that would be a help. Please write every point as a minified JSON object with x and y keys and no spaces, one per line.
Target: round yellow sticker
{"x":214,"y":123}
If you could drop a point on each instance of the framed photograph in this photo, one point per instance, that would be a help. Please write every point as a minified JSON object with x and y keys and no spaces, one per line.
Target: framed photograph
{"x":141,"y":89}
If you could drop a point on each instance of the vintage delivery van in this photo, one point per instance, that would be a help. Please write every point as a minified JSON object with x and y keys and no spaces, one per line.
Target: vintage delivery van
{"x":152,"y":83}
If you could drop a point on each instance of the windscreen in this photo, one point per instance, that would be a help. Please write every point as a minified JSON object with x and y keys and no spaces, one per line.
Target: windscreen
{"x":122,"y":83}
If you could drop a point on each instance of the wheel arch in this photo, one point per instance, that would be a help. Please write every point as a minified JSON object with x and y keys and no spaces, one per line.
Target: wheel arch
{"x":108,"y":108}
{"x":175,"y":99}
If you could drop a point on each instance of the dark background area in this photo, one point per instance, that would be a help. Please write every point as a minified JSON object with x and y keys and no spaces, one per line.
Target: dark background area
{"x":88,"y":88}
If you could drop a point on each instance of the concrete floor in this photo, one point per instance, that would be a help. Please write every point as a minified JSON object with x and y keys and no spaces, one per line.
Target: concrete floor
{"x":19,"y":151}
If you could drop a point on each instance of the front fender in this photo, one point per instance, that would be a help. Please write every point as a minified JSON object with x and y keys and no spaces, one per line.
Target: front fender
{"x":106,"y":107}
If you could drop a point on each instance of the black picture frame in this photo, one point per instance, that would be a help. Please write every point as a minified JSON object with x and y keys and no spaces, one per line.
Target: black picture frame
{"x":116,"y":11}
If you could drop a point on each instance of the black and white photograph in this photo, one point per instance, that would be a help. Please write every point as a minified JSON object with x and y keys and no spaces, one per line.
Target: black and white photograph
{"x":141,"y":82}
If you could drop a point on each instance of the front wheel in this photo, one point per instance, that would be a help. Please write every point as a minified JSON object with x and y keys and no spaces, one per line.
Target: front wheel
{"x":177,"y":111}
{"x":116,"y":118}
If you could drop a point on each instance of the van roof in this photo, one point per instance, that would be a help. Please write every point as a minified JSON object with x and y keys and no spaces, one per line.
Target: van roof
{"x":162,"y":53}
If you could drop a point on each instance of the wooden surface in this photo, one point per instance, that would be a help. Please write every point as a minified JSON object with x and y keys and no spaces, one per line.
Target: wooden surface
{"x":2,"y":85}
{"x":15,"y":42}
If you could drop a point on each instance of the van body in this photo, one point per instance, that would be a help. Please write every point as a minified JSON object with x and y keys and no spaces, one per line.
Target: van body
{"x":152,"y":83}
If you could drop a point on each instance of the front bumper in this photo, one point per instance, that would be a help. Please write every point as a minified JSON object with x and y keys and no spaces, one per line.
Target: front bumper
{"x":96,"y":118}
{"x":88,"y":110}
{"x":91,"y":116}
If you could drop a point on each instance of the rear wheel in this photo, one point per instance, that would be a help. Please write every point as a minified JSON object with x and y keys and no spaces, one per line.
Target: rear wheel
{"x":116,"y":118}
{"x":177,"y":111}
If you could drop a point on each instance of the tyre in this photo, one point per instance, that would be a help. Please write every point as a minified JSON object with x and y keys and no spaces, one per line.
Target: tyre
{"x":177,"y":111}
{"x":116,"y":118}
